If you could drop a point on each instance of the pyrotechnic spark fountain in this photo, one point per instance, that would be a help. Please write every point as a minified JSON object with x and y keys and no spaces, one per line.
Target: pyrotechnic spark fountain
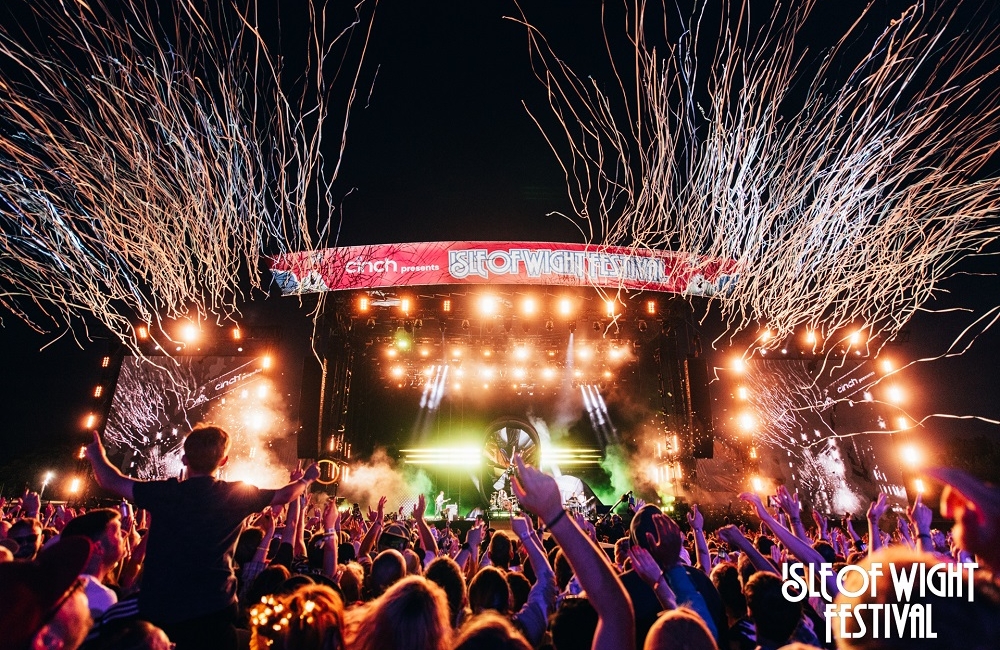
{"x":844,"y":199}
{"x":148,"y":161}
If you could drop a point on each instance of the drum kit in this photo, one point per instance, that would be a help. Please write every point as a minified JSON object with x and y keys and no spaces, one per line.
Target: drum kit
{"x":504,"y":502}
{"x":578,"y":504}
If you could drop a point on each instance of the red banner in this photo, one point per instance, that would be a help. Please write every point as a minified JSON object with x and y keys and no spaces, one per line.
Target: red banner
{"x":457,"y":263}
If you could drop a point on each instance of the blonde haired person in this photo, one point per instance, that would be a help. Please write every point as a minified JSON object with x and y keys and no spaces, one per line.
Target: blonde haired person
{"x":413,"y":614}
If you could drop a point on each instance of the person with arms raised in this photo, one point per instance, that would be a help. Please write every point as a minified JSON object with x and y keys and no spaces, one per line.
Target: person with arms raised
{"x":188,"y":584}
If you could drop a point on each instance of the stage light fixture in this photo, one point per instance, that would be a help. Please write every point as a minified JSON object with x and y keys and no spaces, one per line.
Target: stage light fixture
{"x":565,"y":307}
{"x":74,"y":486}
{"x":607,"y":374}
{"x":98,"y":391}
{"x":90,"y":422}
{"x":424,"y":352}
{"x":753,"y":453}
{"x":142,"y":332}
{"x":643,"y":326}
{"x":758,"y":485}
{"x":487,"y":305}
{"x":597,"y":326}
{"x":548,"y":373}
{"x":910,"y":455}
{"x":584,"y":352}
{"x":265,"y":362}
{"x":529,"y":306}
{"x":419,"y":323}
{"x":519,"y":374}
{"x":456,"y":353}
{"x":237,"y":334}
{"x":739,"y":365}
{"x":364,"y":304}
{"x":549,"y":326}
{"x":742,"y":392}
{"x":902,"y":423}
{"x":886,"y":366}
{"x":465,"y":324}
{"x":650,"y":306}
{"x":919,"y":485}
{"x":105,"y":361}
{"x":609,"y":308}
{"x":747,"y":422}
{"x":811,"y":337}
{"x":894,"y":394}
{"x":371,"y":323}
{"x":765,"y":336}
{"x":521,"y":353}
{"x":572,"y":326}
{"x":397,"y":372}
{"x":189,"y":332}
{"x":854,"y":338}
{"x":392,"y":353}
{"x":404,"y":306}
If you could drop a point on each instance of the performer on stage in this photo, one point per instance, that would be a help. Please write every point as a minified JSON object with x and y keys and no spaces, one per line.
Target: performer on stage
{"x":439,"y":504}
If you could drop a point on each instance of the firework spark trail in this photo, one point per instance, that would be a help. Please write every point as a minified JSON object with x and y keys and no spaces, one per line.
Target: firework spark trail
{"x":847,"y":213}
{"x":143,"y":173}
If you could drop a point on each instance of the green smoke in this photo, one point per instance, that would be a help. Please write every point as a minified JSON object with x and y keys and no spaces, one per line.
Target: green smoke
{"x":618,"y":470}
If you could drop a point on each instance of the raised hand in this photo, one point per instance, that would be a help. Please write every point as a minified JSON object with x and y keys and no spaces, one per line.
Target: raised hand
{"x":266,"y":521}
{"x":475,"y":537}
{"x":665,"y":546}
{"x":821,"y":524}
{"x":877,"y":508}
{"x":95,"y":450}
{"x":331,"y":516}
{"x":32,"y":503}
{"x":644,"y":564}
{"x":297,"y":474}
{"x":311,"y":473}
{"x":920,"y":516}
{"x":419,"y":508}
{"x":731,"y":535}
{"x":536,"y":491}
{"x":696,"y":520}
{"x":380,"y":513}
{"x":789,"y":502}
{"x":754,"y":499}
{"x":520,"y":525}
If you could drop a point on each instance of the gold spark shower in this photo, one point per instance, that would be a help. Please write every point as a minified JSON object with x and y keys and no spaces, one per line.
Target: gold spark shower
{"x":845,"y":184}
{"x":149,"y":159}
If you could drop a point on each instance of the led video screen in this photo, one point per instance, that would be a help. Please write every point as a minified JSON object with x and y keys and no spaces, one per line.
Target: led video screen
{"x":158,"y":401}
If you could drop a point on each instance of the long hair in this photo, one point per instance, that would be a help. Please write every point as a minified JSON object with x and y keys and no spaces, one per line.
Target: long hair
{"x":310,"y":618}
{"x":411,"y":614}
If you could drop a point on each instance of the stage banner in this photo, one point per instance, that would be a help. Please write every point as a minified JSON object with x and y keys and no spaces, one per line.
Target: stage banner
{"x":503,"y":262}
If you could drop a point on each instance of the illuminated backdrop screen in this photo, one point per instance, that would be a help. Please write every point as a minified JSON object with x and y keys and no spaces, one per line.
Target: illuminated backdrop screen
{"x":157,"y":402}
{"x":821,"y":430}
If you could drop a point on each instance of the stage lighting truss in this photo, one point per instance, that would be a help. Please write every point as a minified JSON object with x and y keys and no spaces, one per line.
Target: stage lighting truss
{"x":519,"y":365}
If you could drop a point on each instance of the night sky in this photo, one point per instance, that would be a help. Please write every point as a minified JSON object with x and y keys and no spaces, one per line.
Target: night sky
{"x":443,"y":149}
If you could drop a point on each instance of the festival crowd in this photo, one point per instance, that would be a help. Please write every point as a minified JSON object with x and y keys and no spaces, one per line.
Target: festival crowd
{"x":205,"y":563}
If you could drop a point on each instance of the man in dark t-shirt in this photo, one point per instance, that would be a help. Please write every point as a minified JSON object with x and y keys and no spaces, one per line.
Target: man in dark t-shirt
{"x":188,"y":584}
